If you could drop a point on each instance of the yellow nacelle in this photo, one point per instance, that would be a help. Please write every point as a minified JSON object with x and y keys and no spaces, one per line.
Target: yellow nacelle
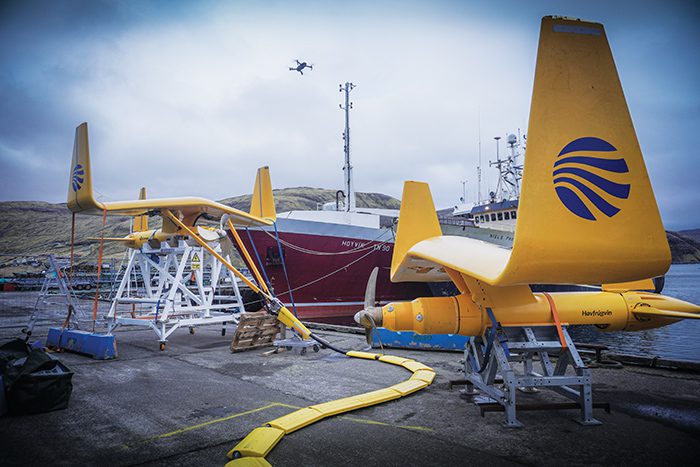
{"x":136,"y":240}
{"x":607,"y":311}
{"x":154,"y":237}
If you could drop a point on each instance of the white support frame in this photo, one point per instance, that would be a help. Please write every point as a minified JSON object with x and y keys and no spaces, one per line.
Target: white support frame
{"x":169,"y":293}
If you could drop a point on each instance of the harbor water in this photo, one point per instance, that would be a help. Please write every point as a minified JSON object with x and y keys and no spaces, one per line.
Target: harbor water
{"x":679,"y":341}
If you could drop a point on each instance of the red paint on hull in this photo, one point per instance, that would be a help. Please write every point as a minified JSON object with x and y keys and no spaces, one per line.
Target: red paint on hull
{"x":325,"y":285}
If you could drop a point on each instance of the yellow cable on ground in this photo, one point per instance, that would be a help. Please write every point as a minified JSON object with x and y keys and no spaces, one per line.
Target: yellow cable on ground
{"x":251,"y":451}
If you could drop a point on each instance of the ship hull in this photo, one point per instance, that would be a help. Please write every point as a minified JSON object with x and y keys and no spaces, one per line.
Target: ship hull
{"x":328,"y":266}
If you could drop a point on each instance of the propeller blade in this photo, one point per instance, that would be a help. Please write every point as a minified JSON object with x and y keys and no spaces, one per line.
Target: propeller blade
{"x":371,"y":290}
{"x":208,"y":235}
{"x":369,"y":318}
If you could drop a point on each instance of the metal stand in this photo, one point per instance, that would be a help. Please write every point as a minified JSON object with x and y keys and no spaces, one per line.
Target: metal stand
{"x":170,"y":287}
{"x":294,"y":342}
{"x":297,"y":342}
{"x":509,"y":352}
{"x":55,"y":278}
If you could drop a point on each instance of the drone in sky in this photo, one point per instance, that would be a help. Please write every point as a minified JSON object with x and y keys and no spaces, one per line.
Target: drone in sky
{"x":300,"y":67}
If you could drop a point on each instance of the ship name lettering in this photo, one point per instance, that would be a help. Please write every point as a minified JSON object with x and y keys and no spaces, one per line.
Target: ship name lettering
{"x":352,"y":244}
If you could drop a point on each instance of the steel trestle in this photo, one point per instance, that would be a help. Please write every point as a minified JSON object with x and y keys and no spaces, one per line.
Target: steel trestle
{"x":501,"y":361}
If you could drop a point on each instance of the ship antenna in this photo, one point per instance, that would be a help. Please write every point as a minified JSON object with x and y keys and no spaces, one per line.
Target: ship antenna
{"x":499,"y":165}
{"x":347,"y":169}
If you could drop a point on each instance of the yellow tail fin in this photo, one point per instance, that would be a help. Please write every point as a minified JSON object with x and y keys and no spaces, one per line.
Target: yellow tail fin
{"x":644,"y":284}
{"x":141,"y":222}
{"x":587,"y":212}
{"x":263,"y":203}
{"x":80,"y":197}
{"x":417,"y":221}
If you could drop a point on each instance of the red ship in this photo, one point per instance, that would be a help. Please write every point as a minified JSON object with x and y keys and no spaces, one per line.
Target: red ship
{"x":330,"y":253}
{"x":328,"y":263}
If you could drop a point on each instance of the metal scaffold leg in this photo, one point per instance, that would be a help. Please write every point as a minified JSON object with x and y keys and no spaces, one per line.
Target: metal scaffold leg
{"x":502,"y":362}
{"x":56,"y":292}
{"x":170,"y":287}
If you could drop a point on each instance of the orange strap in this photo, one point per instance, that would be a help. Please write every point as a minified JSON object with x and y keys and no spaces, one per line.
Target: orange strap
{"x":72,"y":242}
{"x":555,"y":315}
{"x":66,"y":322}
{"x":99,"y":269}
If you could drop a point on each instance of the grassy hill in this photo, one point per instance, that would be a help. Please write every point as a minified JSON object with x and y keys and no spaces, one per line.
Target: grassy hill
{"x":683,"y":249}
{"x":305,"y":198}
{"x":32,"y":228}
{"x":693,"y":234}
{"x":37,"y":228}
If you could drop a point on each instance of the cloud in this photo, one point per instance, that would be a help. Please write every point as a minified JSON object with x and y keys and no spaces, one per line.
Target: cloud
{"x":191,"y":99}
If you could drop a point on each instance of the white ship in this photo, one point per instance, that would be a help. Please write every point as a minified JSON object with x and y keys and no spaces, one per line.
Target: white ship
{"x":492,"y":220}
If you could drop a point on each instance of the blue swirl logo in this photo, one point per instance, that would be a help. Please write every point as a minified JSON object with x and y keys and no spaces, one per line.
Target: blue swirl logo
{"x":77,"y":178}
{"x":574,"y":171}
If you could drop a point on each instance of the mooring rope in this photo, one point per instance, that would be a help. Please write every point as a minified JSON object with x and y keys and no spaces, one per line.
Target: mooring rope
{"x":371,"y":244}
{"x":99,"y":270}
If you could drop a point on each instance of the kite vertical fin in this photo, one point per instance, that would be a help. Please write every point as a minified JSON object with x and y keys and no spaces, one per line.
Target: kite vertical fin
{"x":263,"y":202}
{"x":141,"y":222}
{"x":80,"y":197}
{"x":587,"y":212}
{"x":417,"y":220}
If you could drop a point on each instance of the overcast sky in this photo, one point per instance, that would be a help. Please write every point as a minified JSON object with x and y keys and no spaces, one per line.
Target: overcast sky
{"x":189,"y":98}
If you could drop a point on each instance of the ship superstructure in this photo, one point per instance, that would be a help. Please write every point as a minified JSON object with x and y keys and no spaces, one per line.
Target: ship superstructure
{"x":499,"y":211}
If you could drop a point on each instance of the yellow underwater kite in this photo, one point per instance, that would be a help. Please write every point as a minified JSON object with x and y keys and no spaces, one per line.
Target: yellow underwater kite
{"x":587,"y":215}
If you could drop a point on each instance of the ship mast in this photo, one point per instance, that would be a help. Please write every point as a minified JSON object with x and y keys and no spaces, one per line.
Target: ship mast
{"x":499,"y":163}
{"x":347,"y":169}
{"x":478,"y":167}
{"x":510,"y":172}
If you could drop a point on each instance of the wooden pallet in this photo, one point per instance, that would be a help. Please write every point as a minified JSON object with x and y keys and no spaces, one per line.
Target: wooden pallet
{"x":255,"y":330}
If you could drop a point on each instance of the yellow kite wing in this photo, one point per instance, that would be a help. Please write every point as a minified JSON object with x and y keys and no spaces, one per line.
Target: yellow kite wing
{"x":187,"y":207}
{"x":81,"y":198}
{"x":671,"y":314}
{"x":426,"y":260}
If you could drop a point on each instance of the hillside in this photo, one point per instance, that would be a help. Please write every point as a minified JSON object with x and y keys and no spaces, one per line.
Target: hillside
{"x":33,"y":228}
{"x":683,"y":249}
{"x":693,"y":234}
{"x":305,"y":198}
{"x":36,"y":228}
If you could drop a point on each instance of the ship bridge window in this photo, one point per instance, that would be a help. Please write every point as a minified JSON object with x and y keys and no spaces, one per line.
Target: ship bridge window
{"x":481,"y":217}
{"x":273,"y":256}
{"x":506,"y":215}
{"x":476,"y":220}
{"x":512,"y":215}
{"x":500,"y":216}
{"x":493,"y":216}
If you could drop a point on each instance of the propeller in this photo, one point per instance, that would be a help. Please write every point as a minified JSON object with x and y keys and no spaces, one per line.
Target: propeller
{"x":370,"y":316}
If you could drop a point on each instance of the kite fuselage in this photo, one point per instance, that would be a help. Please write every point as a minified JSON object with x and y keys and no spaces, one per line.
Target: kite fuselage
{"x":608,"y":311}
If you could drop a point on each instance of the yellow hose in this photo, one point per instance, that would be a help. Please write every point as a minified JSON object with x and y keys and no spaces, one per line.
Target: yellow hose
{"x":252,"y":449}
